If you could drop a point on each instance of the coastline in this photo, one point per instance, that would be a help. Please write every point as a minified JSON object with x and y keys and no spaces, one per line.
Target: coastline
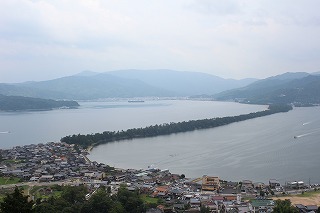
{"x":89,"y":149}
{"x":68,"y":156}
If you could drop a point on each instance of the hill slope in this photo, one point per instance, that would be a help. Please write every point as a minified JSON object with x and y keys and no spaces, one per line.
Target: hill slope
{"x":98,"y":86}
{"x":15,"y":103}
{"x":83,"y":88}
{"x":298,"y":88}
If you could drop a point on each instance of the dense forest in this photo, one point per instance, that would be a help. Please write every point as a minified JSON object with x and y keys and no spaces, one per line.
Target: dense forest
{"x":167,"y":128}
{"x":17,"y":103}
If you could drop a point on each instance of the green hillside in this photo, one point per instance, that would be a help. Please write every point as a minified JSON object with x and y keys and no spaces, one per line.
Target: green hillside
{"x":18,"y":103}
{"x":301,"y":91}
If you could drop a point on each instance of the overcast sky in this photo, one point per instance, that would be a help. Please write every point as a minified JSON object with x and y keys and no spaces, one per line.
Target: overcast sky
{"x":42,"y":40}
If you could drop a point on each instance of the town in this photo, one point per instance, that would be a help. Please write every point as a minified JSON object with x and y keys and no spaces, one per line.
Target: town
{"x":59,"y":163}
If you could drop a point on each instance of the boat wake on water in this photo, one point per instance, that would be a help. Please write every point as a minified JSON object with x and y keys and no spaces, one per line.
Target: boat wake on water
{"x":299,"y":136}
{"x":5,"y":132}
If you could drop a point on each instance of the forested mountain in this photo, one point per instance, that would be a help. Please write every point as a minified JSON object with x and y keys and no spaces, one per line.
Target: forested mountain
{"x":83,"y":88}
{"x":97,"y":86}
{"x":17,"y":103}
{"x":89,"y":85}
{"x":21,"y":90}
{"x":286,"y":88}
{"x":297,"y":88}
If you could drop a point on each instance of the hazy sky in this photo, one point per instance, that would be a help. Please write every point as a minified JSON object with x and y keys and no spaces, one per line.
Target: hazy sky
{"x":233,"y":39}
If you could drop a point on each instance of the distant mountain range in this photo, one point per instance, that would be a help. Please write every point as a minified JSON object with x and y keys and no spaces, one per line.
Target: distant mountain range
{"x":183,"y":83}
{"x":124,"y":84}
{"x":301,"y":88}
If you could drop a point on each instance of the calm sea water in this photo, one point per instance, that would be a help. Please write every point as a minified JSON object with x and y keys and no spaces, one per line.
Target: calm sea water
{"x":256,"y":149}
{"x":92,"y":117}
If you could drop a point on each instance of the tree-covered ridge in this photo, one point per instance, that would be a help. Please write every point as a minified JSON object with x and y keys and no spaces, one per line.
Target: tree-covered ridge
{"x":278,"y":90}
{"x":167,"y":128}
{"x":15,"y":103}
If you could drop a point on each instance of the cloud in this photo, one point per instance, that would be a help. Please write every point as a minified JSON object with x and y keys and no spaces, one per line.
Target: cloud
{"x":252,"y":38}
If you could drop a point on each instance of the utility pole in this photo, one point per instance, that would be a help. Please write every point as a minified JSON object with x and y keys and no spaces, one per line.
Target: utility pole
{"x":309,"y":183}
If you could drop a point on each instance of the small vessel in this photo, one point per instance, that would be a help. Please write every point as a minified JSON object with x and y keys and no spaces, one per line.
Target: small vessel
{"x":136,"y":101}
{"x":295,"y":137}
{"x":64,"y":107}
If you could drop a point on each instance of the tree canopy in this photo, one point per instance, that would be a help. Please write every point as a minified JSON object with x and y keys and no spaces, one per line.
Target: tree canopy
{"x":16,"y":202}
{"x":284,"y":206}
{"x":73,"y":200}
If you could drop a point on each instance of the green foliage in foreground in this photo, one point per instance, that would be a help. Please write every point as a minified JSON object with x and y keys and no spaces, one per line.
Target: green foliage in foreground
{"x":167,"y":128}
{"x":16,"y":202}
{"x":73,"y":200}
{"x":284,"y":206}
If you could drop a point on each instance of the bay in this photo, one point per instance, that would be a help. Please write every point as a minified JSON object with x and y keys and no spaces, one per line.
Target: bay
{"x":256,"y":149}
{"x":21,"y":128}
{"x":283,"y":146}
